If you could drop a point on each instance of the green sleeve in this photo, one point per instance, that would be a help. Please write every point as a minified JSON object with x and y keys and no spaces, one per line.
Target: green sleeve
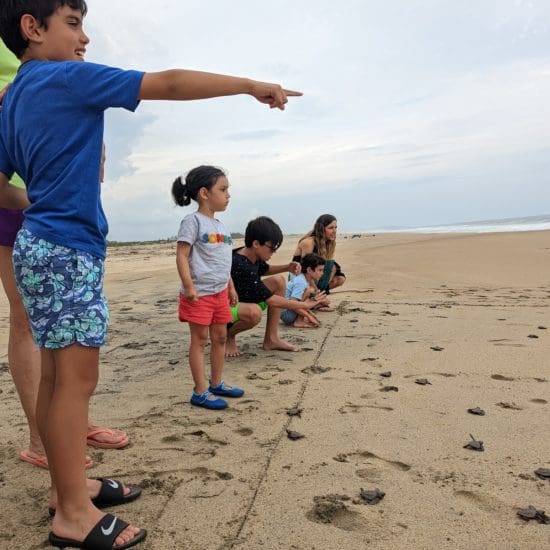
{"x":8,"y":69}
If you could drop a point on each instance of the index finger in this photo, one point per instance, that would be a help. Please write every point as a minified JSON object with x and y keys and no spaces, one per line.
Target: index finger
{"x":292,"y":93}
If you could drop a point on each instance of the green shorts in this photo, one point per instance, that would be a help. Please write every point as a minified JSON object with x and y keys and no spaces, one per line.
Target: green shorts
{"x":235,"y":310}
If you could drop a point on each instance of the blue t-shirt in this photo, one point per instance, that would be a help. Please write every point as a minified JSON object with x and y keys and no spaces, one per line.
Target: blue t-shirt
{"x":296,"y":287}
{"x":51,"y":134}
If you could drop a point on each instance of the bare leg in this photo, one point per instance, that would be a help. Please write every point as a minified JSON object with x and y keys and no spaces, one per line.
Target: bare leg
{"x":336,"y":281}
{"x":218,"y":334}
{"x":272,"y":341}
{"x":69,"y":379}
{"x":199,"y":337}
{"x":249,"y":316}
{"x":24,"y":360}
{"x":23,"y":355}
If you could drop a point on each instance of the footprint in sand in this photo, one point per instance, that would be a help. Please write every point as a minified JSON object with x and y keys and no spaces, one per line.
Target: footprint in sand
{"x":244,"y":431}
{"x":371,"y":396}
{"x":205,"y":474}
{"x":331,"y":509}
{"x":360,"y":456}
{"x":483,"y":502}
{"x":315,"y":369}
{"x":245,"y":405}
{"x":350,"y":407}
{"x":539,"y":401}
{"x":369,"y":474}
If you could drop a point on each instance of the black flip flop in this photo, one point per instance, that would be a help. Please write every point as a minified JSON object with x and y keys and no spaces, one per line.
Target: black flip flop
{"x":101,"y":537}
{"x":111,"y":493}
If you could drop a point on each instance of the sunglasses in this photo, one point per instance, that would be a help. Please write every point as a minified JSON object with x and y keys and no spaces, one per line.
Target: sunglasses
{"x":271,"y":247}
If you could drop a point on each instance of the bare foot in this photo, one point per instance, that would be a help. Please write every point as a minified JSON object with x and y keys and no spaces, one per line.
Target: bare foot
{"x":41,"y":460}
{"x":105,"y":438}
{"x":281,"y":345}
{"x":303,"y":324}
{"x":35,"y":445}
{"x":93,"y":486}
{"x":78,"y":527}
{"x":231,"y":349}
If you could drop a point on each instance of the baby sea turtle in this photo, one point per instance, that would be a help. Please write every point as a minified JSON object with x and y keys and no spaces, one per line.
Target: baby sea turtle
{"x":372,"y":496}
{"x":422,"y":381}
{"x":543,"y":473}
{"x":532,"y":336}
{"x":291,"y":434}
{"x":477,"y":410}
{"x":386,"y":374}
{"x":437,"y":348}
{"x":389,"y":388}
{"x":296,"y":411}
{"x":531,"y":512}
{"x":474,"y":445}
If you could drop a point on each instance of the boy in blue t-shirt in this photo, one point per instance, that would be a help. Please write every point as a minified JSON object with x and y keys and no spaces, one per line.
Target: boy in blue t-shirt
{"x":303,"y":287}
{"x":51,"y":134}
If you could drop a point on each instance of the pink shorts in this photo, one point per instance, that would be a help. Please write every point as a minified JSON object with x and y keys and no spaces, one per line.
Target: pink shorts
{"x":207,"y":310}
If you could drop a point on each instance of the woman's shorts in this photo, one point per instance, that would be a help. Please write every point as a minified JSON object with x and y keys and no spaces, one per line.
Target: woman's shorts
{"x":207,"y":310}
{"x":62,"y":290}
{"x":10,"y":223}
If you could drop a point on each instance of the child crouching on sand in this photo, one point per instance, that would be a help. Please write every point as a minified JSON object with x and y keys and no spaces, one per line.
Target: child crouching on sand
{"x":204,"y":266}
{"x":303,"y":287}
{"x":261,"y":240}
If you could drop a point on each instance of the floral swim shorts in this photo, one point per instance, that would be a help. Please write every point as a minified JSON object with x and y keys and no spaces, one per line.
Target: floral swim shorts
{"x":62,"y":290}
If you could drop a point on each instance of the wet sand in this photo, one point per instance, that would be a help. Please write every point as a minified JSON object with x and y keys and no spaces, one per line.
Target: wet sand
{"x":233,"y":479}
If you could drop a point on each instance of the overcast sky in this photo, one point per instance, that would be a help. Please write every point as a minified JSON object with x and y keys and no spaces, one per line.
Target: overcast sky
{"x":415,"y":112}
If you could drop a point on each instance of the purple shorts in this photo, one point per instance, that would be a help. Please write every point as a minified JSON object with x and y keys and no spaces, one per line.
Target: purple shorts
{"x":10,"y":223}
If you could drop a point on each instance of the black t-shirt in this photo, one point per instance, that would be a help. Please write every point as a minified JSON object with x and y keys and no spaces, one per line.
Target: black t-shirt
{"x":246,"y":277}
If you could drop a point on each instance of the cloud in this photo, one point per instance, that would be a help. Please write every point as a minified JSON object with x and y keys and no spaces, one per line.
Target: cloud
{"x":421,"y":112}
{"x":254,"y":135}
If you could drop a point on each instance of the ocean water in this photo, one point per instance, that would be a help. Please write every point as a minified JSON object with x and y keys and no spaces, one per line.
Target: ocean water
{"x":529,"y":223}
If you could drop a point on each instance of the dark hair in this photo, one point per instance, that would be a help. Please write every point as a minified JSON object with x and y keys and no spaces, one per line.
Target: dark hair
{"x":41,"y":10}
{"x":320,"y":244}
{"x":199,"y":177}
{"x":263,"y":229}
{"x":311,"y":260}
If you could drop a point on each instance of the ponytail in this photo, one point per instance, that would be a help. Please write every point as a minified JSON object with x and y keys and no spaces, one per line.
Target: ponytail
{"x":180,"y":192}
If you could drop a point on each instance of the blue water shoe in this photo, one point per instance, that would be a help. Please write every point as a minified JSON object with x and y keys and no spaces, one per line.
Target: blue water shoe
{"x":226,"y":391}
{"x":202,"y":400}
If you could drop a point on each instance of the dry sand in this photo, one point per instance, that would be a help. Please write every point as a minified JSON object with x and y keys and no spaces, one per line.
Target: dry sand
{"x":233,"y":479}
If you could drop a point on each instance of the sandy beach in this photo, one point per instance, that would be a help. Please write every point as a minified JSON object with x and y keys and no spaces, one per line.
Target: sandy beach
{"x":468,"y":312}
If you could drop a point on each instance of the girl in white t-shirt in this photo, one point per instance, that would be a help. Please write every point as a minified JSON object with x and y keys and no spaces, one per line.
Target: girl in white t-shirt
{"x":204,"y":265}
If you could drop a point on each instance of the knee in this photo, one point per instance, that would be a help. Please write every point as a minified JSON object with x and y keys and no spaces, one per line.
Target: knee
{"x":218,"y":339}
{"x":82,"y":385}
{"x":256,"y":315}
{"x":199,"y":340}
{"x":279,"y":284}
{"x":252,"y":315}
